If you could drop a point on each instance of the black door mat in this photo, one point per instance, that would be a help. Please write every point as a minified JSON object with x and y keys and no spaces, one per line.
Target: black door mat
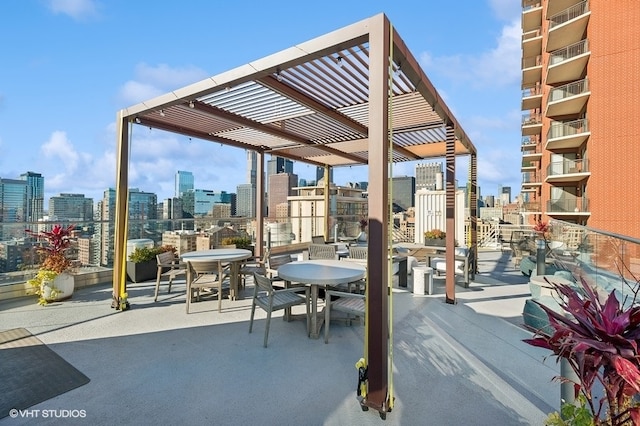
{"x":30,"y":372}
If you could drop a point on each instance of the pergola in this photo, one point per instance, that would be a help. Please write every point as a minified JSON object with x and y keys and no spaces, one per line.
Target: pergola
{"x":355,"y":96}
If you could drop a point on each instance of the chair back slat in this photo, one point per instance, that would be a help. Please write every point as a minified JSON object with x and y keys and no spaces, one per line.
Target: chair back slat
{"x":263,"y":283}
{"x":356,"y":252}
{"x":322,"y":251}
{"x":204,"y":267}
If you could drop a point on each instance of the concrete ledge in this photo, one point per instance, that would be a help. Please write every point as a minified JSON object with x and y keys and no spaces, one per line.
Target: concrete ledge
{"x":83,"y":278}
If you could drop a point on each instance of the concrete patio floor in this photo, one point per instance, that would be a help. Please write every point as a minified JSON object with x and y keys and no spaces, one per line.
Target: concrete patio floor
{"x":154,"y":364}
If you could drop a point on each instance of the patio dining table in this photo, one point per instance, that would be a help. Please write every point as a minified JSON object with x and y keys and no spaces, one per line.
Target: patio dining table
{"x":233,"y":256}
{"x":320,"y":273}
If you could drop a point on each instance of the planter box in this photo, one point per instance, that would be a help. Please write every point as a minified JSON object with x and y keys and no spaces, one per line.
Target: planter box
{"x":434,"y":242}
{"x":142,"y":271}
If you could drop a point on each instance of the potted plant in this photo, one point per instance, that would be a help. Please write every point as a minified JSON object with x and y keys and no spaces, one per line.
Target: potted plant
{"x":362,"y":236}
{"x":142,"y":264}
{"x":53,"y":282}
{"x":238,"y":241}
{"x":599,"y":339}
{"x":434,"y":237}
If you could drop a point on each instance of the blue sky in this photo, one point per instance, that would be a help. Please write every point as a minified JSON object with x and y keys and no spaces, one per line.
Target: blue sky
{"x":69,"y":65}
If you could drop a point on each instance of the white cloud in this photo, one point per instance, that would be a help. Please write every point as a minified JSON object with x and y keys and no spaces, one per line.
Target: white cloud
{"x":150,"y":81}
{"x":499,"y":66}
{"x":506,"y":10}
{"x":77,"y":9}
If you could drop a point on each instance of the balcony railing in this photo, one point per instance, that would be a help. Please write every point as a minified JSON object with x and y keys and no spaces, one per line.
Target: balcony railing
{"x":568,"y":52}
{"x":568,"y":90}
{"x":567,"y":166}
{"x":529,"y":4}
{"x":532,"y":61}
{"x":559,"y":129}
{"x":531,"y":34}
{"x":569,"y":204}
{"x":531,"y":177}
{"x":569,"y":14}
{"x":529,"y":119}
{"x":533,"y":90}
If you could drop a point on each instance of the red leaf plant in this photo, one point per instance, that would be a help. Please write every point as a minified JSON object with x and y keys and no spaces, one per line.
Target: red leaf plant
{"x":600,"y":342}
{"x":58,"y":241}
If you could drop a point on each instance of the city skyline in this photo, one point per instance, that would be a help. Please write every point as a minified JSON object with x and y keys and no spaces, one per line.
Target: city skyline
{"x":73,"y":144}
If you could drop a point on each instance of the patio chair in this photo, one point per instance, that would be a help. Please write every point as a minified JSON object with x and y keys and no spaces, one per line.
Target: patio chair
{"x":358,"y":252}
{"x":207,"y":274}
{"x":349,"y":303}
{"x":271,"y":300}
{"x":322,"y":251}
{"x":251,"y":266}
{"x":317,"y":239}
{"x":168,"y":266}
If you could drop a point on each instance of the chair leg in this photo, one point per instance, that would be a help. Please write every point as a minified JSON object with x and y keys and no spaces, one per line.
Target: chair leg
{"x":266,"y":330}
{"x":188,"y":297}
{"x":220,"y":287}
{"x":170,"y":282}
{"x":155,"y":299}
{"x":253,"y":311}
{"x":327,"y":319}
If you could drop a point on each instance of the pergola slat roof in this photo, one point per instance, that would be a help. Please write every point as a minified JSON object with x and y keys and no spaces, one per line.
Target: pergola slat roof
{"x":310,"y":104}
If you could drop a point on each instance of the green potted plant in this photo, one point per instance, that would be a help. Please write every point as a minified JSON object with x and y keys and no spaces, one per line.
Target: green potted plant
{"x":434,"y":237}
{"x":52,"y":282}
{"x":239,"y":241}
{"x":142,"y":264}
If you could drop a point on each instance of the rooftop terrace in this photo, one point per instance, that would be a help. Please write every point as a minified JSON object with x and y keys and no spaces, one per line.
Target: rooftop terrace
{"x":452,"y":364}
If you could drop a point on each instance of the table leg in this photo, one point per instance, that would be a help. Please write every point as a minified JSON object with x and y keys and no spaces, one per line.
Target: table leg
{"x":233,"y":281}
{"x":315,"y":323}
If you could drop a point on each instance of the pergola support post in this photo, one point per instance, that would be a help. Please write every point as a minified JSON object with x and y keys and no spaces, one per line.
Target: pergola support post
{"x":119,"y":278}
{"x":377,"y":349}
{"x":450,"y":214}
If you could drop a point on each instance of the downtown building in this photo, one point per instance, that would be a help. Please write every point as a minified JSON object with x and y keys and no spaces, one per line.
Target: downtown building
{"x":580,"y":150}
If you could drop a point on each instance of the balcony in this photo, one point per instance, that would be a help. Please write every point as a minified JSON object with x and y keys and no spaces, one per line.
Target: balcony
{"x":531,"y":43}
{"x":532,"y":156}
{"x":568,"y":63}
{"x":531,"y":207}
{"x":568,"y":206}
{"x":568,"y":26}
{"x":531,"y":179}
{"x":532,"y":97}
{"x":531,"y":124}
{"x":531,"y":16}
{"x":556,"y":6}
{"x":531,"y":71}
{"x":570,"y":99}
{"x":567,"y":171}
{"x":529,"y":143}
{"x":567,"y":135}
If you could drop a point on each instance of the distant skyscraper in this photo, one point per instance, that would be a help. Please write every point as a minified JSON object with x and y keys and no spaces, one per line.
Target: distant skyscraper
{"x":427,"y":175}
{"x":320,"y":174}
{"x":404,"y":190}
{"x":35,"y":196}
{"x":13,"y":206}
{"x":184,"y":182}
{"x":278,"y":165}
{"x":252,"y":167}
{"x":280,"y":187}
{"x":74,"y":207}
{"x":505,"y":194}
{"x":246,"y":200}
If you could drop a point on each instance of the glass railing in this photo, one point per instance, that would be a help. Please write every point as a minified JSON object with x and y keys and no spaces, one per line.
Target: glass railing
{"x":567,"y":166}
{"x":568,"y":204}
{"x":607,"y":261}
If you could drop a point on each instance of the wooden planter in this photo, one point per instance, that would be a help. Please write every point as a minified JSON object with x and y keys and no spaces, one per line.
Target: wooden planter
{"x":434,"y":242}
{"x":142,"y":271}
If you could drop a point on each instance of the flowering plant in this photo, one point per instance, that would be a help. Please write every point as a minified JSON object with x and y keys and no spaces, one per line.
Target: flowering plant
{"x":435,"y":234}
{"x":53,"y":258}
{"x":53,"y":253}
{"x":599,"y":340}
{"x":542,"y":228}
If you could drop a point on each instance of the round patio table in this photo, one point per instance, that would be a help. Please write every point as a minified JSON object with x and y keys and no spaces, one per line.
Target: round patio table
{"x":233,"y":256}
{"x":321,"y":272}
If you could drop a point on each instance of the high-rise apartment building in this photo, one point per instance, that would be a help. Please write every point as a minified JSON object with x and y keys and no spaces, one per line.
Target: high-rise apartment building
{"x":320,"y":174}
{"x":73,"y":207}
{"x":35,"y":196}
{"x":427,"y":175}
{"x":246,"y":200}
{"x":580,"y":145}
{"x":184,"y":182}
{"x":280,"y":187}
